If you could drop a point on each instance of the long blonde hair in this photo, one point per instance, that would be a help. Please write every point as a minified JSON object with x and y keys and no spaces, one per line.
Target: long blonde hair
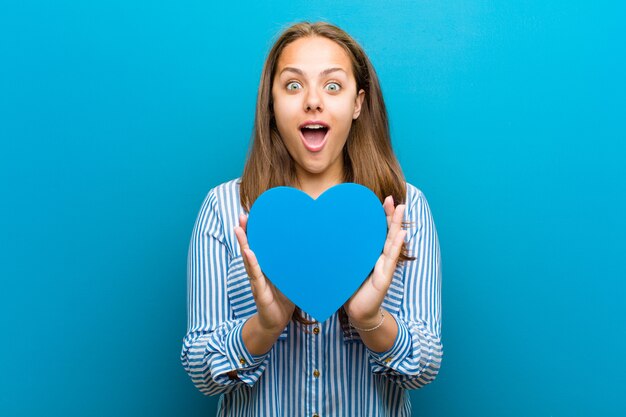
{"x":368,"y":156}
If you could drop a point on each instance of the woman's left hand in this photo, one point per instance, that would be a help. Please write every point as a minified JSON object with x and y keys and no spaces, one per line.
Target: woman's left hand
{"x":364,"y":305}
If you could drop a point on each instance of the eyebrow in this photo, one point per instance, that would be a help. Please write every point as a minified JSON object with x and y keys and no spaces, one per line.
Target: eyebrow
{"x":300,"y":72}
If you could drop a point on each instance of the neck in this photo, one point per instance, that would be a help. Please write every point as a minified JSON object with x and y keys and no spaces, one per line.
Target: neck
{"x":315,"y":184}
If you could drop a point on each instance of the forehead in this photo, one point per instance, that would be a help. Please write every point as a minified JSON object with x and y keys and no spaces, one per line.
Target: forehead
{"x":312,"y":54}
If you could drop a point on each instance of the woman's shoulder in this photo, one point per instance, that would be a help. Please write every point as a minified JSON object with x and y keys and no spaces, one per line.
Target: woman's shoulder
{"x":220,"y":210}
{"x":417,"y":206}
{"x":226,"y":189}
{"x":222,"y":200}
{"x":413,"y":194}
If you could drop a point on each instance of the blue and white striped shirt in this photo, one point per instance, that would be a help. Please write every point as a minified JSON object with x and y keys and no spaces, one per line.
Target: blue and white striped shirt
{"x":311,"y":370}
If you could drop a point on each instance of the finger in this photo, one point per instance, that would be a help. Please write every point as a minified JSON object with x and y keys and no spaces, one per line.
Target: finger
{"x":257,"y":279}
{"x":255,"y":272}
{"x":243,"y":244}
{"x":243,"y":221}
{"x":391,"y":260}
{"x":396,"y":225}
{"x":389,"y":209}
{"x":380,"y":281}
{"x":246,"y":262}
{"x":240,"y":232}
{"x":258,"y":283}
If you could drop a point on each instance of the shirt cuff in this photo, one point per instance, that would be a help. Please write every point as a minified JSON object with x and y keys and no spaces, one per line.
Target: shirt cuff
{"x":238,"y":355}
{"x":394,"y":356}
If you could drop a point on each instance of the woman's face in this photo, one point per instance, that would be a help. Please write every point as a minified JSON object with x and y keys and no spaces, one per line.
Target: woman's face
{"x":315,"y":101}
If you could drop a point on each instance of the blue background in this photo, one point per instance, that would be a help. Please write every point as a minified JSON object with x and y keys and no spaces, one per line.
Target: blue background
{"x":116,"y":117}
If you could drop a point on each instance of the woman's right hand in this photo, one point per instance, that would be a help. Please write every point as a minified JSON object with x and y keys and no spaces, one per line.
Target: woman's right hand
{"x":274,"y":310}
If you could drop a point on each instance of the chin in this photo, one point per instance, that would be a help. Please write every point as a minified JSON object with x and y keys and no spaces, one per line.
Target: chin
{"x":314,"y":169}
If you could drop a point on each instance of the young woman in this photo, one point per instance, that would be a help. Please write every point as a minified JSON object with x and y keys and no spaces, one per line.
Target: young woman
{"x":320,"y":121}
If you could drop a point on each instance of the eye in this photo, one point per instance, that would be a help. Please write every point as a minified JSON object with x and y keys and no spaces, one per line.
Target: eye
{"x":293,"y":85}
{"x":333,"y":87}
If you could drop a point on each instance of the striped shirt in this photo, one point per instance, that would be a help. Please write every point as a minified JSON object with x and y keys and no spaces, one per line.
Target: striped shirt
{"x":315,"y":370}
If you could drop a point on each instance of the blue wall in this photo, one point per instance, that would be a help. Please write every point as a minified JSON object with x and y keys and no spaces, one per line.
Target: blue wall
{"x":116,"y":117}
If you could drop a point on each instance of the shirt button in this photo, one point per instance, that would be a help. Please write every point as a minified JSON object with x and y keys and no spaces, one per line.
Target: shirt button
{"x":316,"y":330}
{"x":316,"y":373}
{"x":389,"y":359}
{"x":242,"y":361}
{"x":316,"y":415}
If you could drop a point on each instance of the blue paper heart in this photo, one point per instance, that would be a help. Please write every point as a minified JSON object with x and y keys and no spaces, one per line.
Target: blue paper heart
{"x":317,"y":252}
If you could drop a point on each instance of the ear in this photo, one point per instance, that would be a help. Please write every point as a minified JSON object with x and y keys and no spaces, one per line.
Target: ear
{"x":358,"y":102}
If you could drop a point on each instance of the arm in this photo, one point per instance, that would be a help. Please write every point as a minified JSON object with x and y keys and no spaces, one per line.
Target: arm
{"x":415,"y":357}
{"x":213,"y":347}
{"x":274,"y":310}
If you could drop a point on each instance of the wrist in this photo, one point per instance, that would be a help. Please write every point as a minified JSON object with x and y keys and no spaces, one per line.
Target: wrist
{"x":368,"y":324}
{"x":272,"y":329}
{"x":257,"y":338}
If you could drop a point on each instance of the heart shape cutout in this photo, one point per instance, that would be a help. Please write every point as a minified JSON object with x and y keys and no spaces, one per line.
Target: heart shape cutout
{"x":317,"y":252}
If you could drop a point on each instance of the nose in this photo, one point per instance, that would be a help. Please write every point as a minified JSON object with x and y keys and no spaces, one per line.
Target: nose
{"x":313,"y":101}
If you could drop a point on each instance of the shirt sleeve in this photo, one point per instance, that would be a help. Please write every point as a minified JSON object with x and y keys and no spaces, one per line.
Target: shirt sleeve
{"x":415,"y":357}
{"x":213,"y":352}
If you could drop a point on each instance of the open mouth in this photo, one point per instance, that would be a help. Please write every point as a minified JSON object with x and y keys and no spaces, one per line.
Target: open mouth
{"x":314,"y":136}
